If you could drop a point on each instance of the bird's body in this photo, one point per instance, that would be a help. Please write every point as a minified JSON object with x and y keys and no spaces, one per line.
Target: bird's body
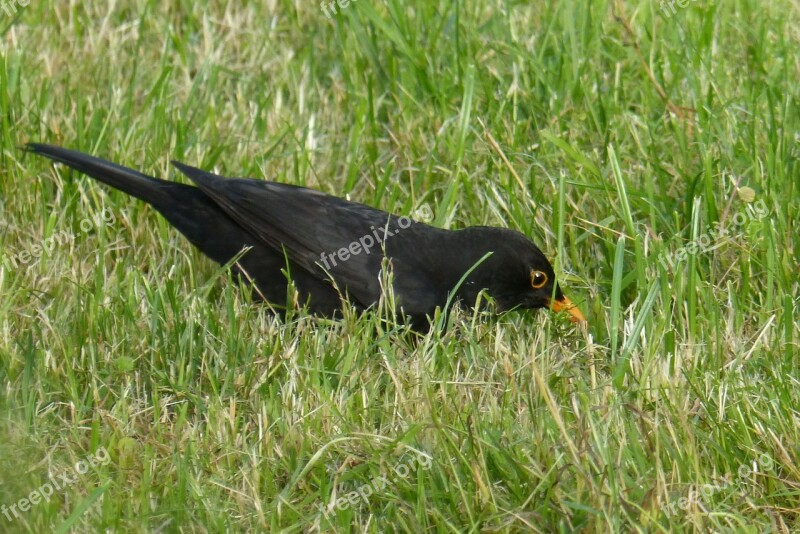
{"x":330,"y":247}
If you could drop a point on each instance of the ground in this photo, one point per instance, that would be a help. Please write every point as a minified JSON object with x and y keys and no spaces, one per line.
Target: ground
{"x":651,"y":150}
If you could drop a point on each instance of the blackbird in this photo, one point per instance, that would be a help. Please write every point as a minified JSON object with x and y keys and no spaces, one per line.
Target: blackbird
{"x":332,"y":249}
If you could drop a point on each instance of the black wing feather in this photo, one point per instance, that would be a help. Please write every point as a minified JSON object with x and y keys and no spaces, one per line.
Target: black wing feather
{"x":308,"y":223}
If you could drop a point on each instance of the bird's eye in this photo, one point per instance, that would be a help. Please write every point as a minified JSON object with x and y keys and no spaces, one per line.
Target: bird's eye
{"x":538,"y":279}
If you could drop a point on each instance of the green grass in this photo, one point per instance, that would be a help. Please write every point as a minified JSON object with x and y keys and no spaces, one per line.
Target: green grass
{"x":535,"y":116}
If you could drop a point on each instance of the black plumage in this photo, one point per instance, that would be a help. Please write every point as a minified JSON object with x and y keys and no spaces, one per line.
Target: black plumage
{"x":332,"y":247}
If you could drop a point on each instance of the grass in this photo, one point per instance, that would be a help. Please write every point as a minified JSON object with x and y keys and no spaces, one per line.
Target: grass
{"x":675,"y":410}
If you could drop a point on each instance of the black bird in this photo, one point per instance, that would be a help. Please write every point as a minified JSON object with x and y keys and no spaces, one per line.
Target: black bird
{"x":331,"y":247}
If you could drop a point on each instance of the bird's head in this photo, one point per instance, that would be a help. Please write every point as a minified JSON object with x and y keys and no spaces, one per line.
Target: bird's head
{"x":515,"y":275}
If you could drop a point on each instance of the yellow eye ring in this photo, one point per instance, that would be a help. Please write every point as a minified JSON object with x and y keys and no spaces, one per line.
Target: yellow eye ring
{"x":538,"y":279}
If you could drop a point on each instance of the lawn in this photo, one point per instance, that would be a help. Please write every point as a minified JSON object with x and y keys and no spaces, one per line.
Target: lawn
{"x":651,"y":152}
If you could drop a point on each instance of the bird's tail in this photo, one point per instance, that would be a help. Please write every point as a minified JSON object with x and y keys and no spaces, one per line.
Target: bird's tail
{"x":152,"y":190}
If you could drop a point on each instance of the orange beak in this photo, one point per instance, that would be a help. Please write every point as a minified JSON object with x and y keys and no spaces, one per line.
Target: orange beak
{"x":566,"y":305}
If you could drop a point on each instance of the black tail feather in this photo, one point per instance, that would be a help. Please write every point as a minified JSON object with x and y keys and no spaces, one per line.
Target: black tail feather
{"x":151,"y":190}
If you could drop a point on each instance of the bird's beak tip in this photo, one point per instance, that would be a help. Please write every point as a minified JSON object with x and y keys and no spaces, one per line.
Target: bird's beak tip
{"x":566,"y":305}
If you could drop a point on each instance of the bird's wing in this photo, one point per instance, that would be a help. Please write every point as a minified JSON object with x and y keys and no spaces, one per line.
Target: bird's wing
{"x":314,"y":228}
